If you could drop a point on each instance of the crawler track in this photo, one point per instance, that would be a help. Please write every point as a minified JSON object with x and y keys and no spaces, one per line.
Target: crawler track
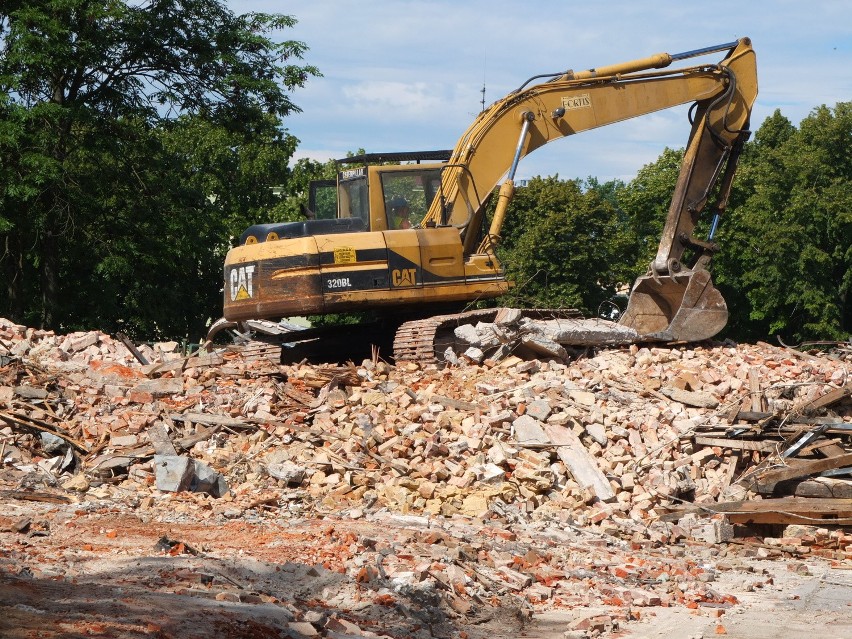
{"x":424,"y":340}
{"x":420,"y":340}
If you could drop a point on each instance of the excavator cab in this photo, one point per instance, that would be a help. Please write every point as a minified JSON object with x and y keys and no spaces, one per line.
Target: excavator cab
{"x":371,"y":192}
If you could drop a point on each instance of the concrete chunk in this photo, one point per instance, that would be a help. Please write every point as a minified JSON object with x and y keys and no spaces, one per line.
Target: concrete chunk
{"x":161,"y":387}
{"x":467,"y":333}
{"x":539,"y":409}
{"x":207,"y":480}
{"x":528,"y":430}
{"x":287,"y":471}
{"x":544,"y":346}
{"x":173,"y":473}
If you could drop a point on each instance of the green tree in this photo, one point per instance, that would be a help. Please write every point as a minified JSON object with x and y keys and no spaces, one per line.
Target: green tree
{"x":134,"y":138}
{"x":787,"y":245}
{"x":150,"y":260}
{"x":645,"y":202}
{"x":565,"y":247}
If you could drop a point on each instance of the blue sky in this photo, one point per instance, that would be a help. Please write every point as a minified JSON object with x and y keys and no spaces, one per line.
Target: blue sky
{"x":407,"y":75}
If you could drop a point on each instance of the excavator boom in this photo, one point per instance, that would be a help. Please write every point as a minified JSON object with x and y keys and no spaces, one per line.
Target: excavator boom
{"x":673,"y":302}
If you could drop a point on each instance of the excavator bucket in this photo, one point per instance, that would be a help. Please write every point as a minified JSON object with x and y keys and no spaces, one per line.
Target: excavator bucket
{"x":680,"y":307}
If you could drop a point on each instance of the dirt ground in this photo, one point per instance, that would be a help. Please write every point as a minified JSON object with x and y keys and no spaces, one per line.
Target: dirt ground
{"x":105,"y":570}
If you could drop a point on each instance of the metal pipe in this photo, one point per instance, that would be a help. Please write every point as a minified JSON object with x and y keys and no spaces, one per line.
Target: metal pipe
{"x":507,"y":189}
{"x":697,"y":52}
{"x":657,"y":61}
{"x":528,"y":117}
{"x":714,"y":226}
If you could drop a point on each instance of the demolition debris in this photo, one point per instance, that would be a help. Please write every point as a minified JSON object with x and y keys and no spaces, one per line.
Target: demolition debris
{"x":533,"y":484}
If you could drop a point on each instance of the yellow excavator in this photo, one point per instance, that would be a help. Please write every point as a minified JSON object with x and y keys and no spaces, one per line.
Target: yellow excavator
{"x":410,"y":238}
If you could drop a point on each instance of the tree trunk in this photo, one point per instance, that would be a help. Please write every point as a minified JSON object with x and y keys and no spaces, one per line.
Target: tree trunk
{"x":13,"y":272}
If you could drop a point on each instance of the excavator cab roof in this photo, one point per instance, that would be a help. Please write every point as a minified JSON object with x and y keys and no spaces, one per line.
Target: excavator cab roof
{"x":401,"y":156}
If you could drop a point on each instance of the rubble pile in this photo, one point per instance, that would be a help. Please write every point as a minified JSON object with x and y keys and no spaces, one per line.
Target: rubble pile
{"x":513,"y":331}
{"x":560,"y":483}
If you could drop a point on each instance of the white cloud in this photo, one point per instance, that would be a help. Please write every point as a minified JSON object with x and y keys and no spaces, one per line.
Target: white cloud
{"x":407,"y":74}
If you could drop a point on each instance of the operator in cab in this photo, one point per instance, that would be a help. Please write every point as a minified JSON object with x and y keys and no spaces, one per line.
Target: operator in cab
{"x":400,"y":213}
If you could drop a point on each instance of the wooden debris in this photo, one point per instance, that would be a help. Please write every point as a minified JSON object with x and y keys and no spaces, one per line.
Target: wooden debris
{"x":737,"y":444}
{"x":26,"y":495}
{"x":25,"y":422}
{"x":767,"y":480}
{"x":826,"y":399}
{"x":609,"y":440}
{"x":783,"y":510}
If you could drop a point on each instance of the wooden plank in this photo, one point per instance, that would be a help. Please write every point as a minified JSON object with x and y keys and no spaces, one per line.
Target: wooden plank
{"x":132,"y":348}
{"x":824,"y":487}
{"x":730,"y":471}
{"x":783,"y":510}
{"x":579,"y":462}
{"x":768,"y":479}
{"x":30,"y":424}
{"x":754,"y":390}
{"x":833,"y":449}
{"x":826,"y":448}
{"x":826,"y":399}
{"x":789,"y":518}
{"x":792,"y":421}
{"x":752,"y":416}
{"x":790,"y":504}
{"x":27,"y":495}
{"x":736,"y":444}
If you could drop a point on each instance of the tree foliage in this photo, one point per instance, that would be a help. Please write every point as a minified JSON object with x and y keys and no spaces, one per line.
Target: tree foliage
{"x":565,"y":247}
{"x":134,"y":139}
{"x":787,"y":245}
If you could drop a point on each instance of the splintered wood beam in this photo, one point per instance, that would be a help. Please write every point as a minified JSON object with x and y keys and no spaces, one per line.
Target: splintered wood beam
{"x":783,"y":510}
{"x":737,"y":444}
{"x":766,"y":481}
{"x":824,"y":487}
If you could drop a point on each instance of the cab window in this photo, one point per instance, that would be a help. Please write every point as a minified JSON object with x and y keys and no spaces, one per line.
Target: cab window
{"x":408,"y":195}
{"x":354,"y":201}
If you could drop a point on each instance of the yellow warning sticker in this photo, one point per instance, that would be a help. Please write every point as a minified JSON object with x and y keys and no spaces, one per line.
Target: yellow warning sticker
{"x":344,"y":255}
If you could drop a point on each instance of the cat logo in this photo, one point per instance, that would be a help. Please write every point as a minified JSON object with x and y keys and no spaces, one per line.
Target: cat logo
{"x":240,"y":281}
{"x":404,"y":276}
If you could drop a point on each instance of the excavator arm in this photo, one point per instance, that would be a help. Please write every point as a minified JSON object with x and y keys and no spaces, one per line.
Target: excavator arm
{"x":672,"y":301}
